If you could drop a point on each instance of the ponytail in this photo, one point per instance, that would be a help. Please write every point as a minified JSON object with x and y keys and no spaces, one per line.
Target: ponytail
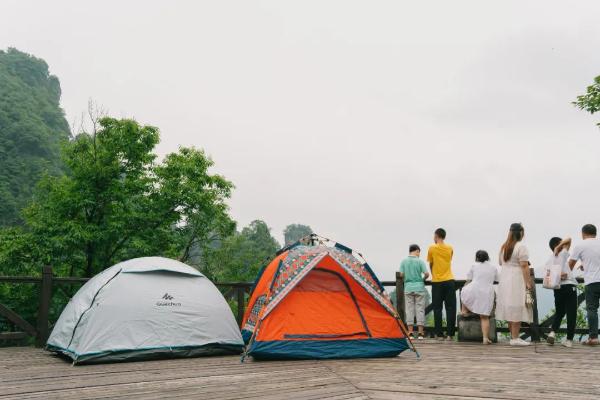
{"x":515,"y":235}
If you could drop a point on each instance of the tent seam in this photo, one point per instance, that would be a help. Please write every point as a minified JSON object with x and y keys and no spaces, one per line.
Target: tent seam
{"x":90,"y":307}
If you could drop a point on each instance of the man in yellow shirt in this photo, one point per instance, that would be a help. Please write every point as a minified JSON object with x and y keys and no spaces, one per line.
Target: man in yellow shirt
{"x":443,"y":291}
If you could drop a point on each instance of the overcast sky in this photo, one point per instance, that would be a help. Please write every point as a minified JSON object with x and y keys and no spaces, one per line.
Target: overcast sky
{"x":373,"y":122}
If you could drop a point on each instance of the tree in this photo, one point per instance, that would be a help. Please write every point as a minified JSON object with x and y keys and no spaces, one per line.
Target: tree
{"x":32,"y":126}
{"x":294,"y":232}
{"x":241,"y":256}
{"x":590,"y":101}
{"x":117,"y":202}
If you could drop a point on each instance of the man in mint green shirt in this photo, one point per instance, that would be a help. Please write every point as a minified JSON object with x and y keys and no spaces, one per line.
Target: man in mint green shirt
{"x":414,"y":271}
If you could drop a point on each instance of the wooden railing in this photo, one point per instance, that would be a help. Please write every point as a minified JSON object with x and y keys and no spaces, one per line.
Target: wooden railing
{"x":235,"y":291}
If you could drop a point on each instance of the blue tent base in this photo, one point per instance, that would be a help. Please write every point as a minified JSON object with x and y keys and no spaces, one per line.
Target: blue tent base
{"x":246,"y":335}
{"x":157,"y":353}
{"x":327,"y":349}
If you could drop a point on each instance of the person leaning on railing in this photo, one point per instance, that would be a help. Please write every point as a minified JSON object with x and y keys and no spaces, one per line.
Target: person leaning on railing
{"x":477,"y":296}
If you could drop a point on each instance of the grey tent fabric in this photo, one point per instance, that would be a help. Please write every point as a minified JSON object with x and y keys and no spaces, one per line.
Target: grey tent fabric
{"x":150,"y":307}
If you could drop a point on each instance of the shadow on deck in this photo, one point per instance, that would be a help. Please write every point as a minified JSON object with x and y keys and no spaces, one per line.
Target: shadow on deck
{"x":445,"y":371}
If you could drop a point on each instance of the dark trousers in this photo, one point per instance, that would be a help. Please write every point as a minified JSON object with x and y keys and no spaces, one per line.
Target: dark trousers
{"x":444,"y":294}
{"x":592,"y":298}
{"x":565,"y":302}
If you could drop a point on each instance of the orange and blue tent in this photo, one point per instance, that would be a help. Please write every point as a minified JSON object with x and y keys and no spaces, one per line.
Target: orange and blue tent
{"x":317,"y":300}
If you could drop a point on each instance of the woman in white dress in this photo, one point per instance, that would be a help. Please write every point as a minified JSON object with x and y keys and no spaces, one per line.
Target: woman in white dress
{"x":513,"y":284}
{"x":478,"y":294}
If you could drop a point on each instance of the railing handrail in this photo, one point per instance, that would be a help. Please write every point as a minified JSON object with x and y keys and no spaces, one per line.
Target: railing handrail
{"x":73,"y":279}
{"x":463,"y":281}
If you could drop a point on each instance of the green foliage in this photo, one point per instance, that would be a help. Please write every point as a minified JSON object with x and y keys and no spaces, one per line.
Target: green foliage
{"x":117,"y":202}
{"x":294,"y":232}
{"x":32,"y":126}
{"x":590,"y":101}
{"x":241,"y":256}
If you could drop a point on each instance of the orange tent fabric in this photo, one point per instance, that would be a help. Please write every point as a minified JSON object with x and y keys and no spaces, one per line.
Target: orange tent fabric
{"x":320,"y":302}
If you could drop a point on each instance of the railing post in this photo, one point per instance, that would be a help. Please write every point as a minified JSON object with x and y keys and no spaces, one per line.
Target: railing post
{"x":400,"y":299}
{"x":535,"y":325}
{"x":44,"y":309}
{"x":240,"y":304}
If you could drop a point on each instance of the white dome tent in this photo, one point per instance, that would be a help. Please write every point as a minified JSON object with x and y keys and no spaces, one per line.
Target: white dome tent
{"x":145,"y":308}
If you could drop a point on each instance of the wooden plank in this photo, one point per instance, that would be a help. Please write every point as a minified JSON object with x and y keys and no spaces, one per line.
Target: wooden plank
{"x":214,"y":385}
{"x":457,"y":370}
{"x":385,"y":395}
{"x":447,"y":370}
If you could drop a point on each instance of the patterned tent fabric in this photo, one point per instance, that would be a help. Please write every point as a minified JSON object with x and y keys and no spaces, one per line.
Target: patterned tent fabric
{"x":301,"y":259}
{"x":254,"y":314}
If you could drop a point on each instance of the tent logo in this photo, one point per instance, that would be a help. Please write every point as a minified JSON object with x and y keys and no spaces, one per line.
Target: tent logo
{"x":168,"y":303}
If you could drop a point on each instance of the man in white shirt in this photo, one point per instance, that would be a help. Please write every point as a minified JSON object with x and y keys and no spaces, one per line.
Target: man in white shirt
{"x":588,"y":252}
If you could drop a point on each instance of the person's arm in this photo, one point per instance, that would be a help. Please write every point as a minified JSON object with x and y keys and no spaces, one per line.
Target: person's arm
{"x":523,"y":257}
{"x":564,"y":261}
{"x":526,"y":276}
{"x":469,"y":275}
{"x":430,"y":260}
{"x":564,"y":244}
{"x":574,"y":257}
{"x":402,"y":269}
{"x":424,"y":269}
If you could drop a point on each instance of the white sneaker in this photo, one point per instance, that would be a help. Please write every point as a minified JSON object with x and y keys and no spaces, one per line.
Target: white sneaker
{"x":551,"y":338}
{"x":567,"y":343}
{"x":519,"y":342}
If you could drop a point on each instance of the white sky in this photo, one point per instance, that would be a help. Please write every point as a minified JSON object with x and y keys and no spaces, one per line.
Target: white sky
{"x":373,"y":122}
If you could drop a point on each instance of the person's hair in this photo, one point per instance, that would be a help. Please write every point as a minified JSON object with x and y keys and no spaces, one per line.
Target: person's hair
{"x":515,"y":235}
{"x":482,"y":256}
{"x":413,"y":247}
{"x":441,"y":233}
{"x":589,"y":229}
{"x":554,"y":242}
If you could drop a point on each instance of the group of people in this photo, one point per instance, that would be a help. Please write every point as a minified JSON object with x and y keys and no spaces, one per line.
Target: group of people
{"x":513,"y":300}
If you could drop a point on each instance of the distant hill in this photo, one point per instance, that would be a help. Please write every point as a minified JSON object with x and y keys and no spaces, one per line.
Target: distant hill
{"x":32,"y":125}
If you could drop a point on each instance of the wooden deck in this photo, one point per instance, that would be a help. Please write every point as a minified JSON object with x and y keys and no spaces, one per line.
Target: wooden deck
{"x":445,"y":371}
